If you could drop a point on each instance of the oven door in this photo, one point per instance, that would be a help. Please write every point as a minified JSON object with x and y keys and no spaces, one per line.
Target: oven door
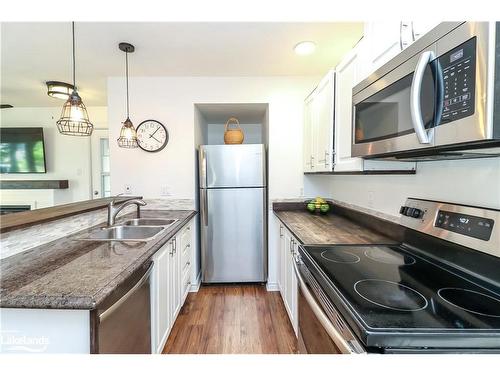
{"x":321,"y":328}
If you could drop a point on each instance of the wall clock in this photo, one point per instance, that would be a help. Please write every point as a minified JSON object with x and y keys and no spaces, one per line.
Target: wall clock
{"x":152,"y":136}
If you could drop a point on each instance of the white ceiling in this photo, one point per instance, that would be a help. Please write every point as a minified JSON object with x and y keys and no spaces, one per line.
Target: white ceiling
{"x":32,"y":53}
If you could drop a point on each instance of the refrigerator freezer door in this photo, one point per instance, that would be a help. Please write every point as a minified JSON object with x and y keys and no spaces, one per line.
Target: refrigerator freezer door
{"x":232,"y":166}
{"x":233,"y":243}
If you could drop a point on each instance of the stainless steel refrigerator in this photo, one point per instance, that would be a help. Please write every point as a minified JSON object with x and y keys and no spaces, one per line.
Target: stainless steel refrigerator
{"x":233,"y":213}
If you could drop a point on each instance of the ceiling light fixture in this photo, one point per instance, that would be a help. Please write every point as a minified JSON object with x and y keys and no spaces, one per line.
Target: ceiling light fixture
{"x":74,"y":117}
{"x":128,"y":135}
{"x":304,"y":48}
{"x":59,"y":90}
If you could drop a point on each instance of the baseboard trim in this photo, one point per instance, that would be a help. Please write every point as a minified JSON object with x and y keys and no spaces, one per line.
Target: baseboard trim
{"x":272,"y":287}
{"x":195,"y":287}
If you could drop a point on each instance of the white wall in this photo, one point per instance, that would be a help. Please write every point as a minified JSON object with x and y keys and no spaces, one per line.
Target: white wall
{"x":67,"y":158}
{"x":171,"y":100}
{"x":473,"y":182}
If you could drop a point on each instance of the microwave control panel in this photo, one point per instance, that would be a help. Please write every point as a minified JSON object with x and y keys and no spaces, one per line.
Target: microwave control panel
{"x":458,"y":68}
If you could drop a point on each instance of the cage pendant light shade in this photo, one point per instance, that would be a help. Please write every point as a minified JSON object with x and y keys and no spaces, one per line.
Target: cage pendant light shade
{"x":128,"y":135}
{"x":74,"y":117}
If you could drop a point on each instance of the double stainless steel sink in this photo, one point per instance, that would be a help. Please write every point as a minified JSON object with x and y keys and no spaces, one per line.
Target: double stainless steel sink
{"x":133,"y":230}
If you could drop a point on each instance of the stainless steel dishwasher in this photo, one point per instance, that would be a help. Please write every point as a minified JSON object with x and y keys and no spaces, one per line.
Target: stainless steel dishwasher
{"x":122,"y":322}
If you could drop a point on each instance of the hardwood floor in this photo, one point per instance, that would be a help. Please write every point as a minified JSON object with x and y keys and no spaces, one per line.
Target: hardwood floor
{"x":243,"y":319}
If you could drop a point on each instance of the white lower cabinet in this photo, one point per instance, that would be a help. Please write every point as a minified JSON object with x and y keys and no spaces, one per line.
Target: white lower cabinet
{"x":287,"y":278}
{"x":160,"y":290}
{"x":170,"y":284}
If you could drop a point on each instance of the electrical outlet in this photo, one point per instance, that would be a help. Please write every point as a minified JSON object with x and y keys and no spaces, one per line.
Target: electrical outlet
{"x":128,"y":190}
{"x":165,"y":191}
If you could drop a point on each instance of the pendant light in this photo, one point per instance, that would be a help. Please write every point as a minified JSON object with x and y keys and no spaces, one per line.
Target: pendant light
{"x":128,"y":135}
{"x":74,"y":117}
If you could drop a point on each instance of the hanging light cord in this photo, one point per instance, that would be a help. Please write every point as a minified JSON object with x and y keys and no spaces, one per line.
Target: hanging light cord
{"x":126,"y":68}
{"x":74,"y":60}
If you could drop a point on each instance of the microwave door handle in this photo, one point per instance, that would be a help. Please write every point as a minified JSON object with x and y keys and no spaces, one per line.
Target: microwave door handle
{"x":415,"y":106}
{"x":336,"y":337}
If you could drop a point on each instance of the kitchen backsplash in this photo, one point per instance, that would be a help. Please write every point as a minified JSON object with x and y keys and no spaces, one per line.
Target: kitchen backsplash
{"x":20,"y":240}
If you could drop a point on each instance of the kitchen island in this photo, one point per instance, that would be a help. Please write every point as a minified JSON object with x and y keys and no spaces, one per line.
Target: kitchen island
{"x":48,"y":293}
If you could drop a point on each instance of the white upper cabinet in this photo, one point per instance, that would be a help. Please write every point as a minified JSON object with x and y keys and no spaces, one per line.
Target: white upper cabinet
{"x":421,"y":27}
{"x":323,"y":108}
{"x":384,"y":40}
{"x":308,"y":135}
{"x":318,"y":126}
{"x":346,"y":75}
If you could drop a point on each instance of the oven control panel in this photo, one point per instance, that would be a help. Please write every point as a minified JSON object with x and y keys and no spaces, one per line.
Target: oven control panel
{"x":477,"y":228}
{"x":458,"y":69}
{"x":468,"y":225}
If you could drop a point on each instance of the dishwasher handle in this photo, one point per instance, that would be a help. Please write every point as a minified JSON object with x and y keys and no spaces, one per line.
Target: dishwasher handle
{"x":336,"y":337}
{"x":106,"y":313}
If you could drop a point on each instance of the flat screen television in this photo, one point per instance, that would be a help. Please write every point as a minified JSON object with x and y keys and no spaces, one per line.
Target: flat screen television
{"x":22,"y":150}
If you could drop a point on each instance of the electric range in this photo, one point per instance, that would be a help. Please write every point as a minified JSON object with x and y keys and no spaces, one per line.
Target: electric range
{"x":428,"y":293}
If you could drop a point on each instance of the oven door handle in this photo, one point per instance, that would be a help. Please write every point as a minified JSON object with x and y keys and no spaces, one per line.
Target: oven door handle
{"x":336,"y":337}
{"x":423,"y":136}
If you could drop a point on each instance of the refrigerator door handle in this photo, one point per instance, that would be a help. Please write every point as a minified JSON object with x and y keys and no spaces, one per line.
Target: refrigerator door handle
{"x":203,"y":168}
{"x":204,"y":207}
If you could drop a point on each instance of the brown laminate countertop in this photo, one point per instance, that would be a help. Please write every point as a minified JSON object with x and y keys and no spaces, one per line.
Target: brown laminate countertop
{"x":329,"y":229}
{"x":72,"y":274}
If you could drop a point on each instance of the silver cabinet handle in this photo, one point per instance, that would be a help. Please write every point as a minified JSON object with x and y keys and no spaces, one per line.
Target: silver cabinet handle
{"x":401,"y":35}
{"x":336,"y":337}
{"x":402,"y":44}
{"x":312,"y":161}
{"x":416,"y":86}
{"x":105,"y":314}
{"x":325,"y":160}
{"x":281,"y":231}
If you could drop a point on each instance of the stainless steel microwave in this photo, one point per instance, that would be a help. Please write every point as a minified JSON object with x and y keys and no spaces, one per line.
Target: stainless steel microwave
{"x":439,"y":98}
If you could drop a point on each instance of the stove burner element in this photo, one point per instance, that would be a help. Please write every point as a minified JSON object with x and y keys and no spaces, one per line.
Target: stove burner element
{"x":471,"y":301}
{"x":390,"y":295}
{"x":340,"y":256}
{"x":387,"y":256}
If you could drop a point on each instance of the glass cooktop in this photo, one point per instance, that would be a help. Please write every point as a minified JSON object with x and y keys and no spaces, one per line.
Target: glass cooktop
{"x":387,"y":287}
